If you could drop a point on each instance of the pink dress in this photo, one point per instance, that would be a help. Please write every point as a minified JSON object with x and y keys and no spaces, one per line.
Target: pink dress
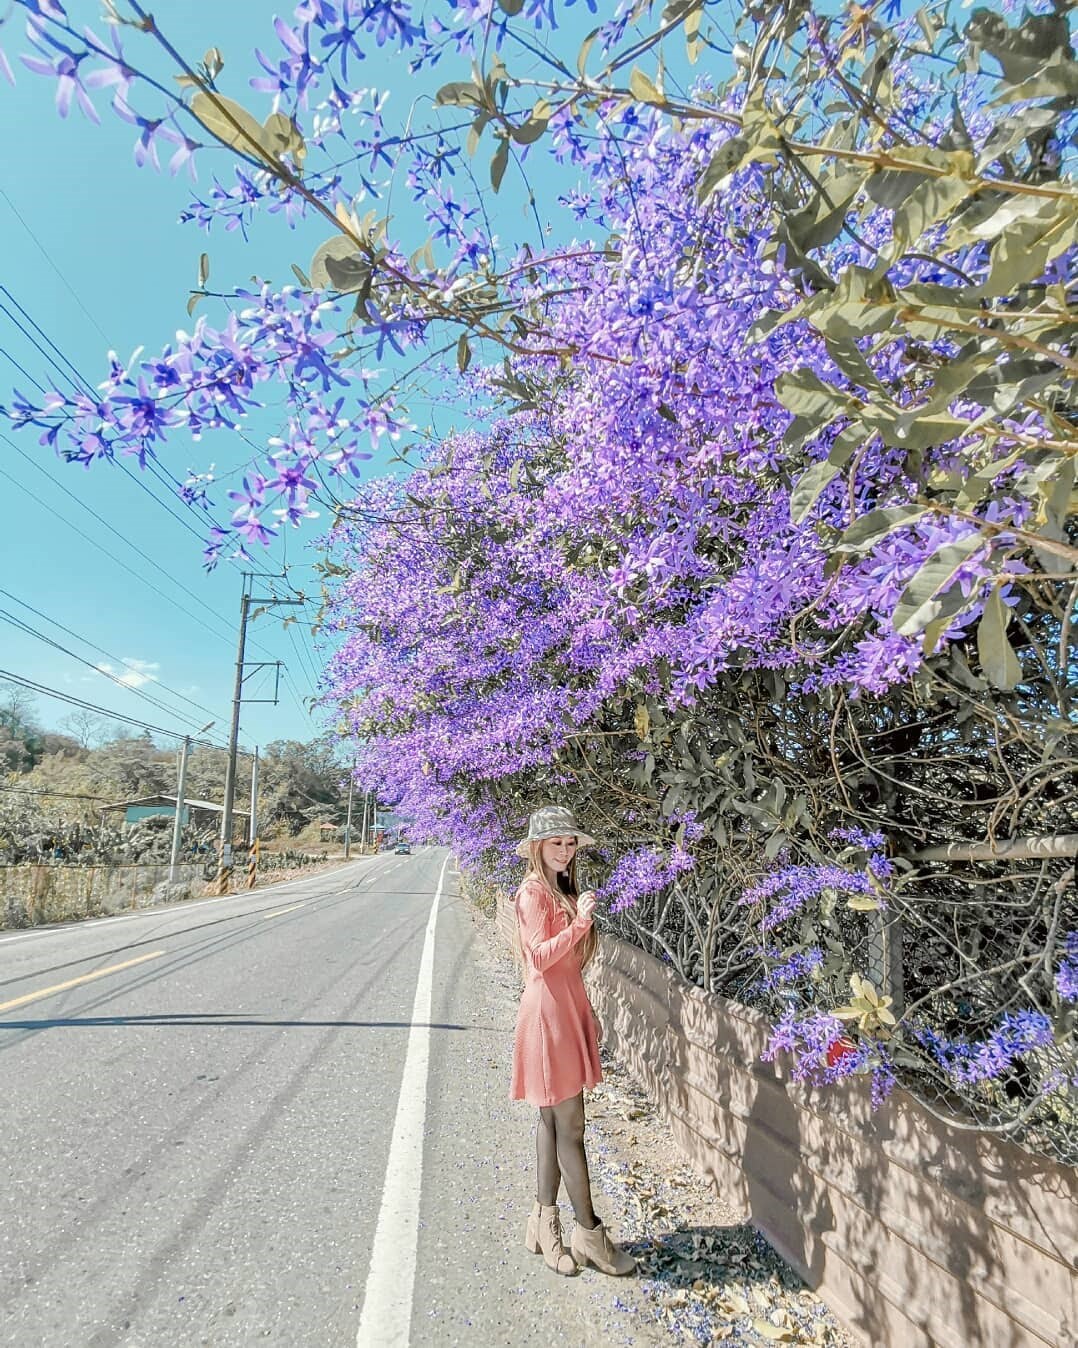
{"x":556,"y":1049}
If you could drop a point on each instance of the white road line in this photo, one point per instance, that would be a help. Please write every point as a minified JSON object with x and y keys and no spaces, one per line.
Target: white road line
{"x":386,"y":1319}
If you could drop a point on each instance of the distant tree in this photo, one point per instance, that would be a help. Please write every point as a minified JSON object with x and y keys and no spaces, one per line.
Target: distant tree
{"x":89,"y":729}
{"x":20,"y":736}
{"x":129,"y":767}
{"x":301,"y":783}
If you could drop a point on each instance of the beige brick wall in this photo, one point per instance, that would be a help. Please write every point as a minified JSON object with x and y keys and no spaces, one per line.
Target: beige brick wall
{"x":917,"y":1232}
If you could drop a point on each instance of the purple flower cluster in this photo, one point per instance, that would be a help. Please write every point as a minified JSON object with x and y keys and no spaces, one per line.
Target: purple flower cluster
{"x":821,"y":1054}
{"x":794,"y":887}
{"x":1067,"y":973}
{"x":793,"y":968}
{"x":647,"y":870}
{"x":972,"y":1062}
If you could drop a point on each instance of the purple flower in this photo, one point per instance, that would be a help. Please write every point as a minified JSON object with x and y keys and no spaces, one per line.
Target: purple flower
{"x":64,"y":68}
{"x":969,"y":1062}
{"x":1067,"y":973}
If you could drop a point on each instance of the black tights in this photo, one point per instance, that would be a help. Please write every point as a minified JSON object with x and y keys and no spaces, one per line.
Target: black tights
{"x":559,"y":1147}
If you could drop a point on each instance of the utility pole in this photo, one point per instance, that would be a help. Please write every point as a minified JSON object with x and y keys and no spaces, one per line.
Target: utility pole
{"x":252,"y":834}
{"x":177,"y":823}
{"x":224,"y":869}
{"x":348,"y":821}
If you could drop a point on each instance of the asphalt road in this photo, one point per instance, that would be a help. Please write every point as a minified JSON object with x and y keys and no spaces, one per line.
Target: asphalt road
{"x":199,"y":1108}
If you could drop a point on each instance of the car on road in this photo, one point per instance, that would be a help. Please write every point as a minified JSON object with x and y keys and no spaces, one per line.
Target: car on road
{"x":403,"y":848}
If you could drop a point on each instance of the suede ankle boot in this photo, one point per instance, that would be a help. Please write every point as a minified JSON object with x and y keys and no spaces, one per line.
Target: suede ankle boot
{"x":596,"y":1248}
{"x":544,"y":1237}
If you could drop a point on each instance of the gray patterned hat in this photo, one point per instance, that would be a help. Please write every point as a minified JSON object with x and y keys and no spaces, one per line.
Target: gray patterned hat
{"x":552,"y":821}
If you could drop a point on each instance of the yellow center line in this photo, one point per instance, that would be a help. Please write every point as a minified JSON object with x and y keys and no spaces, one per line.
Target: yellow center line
{"x":74,"y":982}
{"x":278,"y":911}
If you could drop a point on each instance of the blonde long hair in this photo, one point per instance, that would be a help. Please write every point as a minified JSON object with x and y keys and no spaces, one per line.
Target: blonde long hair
{"x":564,"y":898}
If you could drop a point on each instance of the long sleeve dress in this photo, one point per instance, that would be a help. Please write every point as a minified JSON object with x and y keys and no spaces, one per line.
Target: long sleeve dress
{"x":556,"y":1048}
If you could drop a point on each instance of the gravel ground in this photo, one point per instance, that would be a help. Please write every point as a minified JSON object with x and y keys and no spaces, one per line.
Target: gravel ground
{"x":706,"y":1276}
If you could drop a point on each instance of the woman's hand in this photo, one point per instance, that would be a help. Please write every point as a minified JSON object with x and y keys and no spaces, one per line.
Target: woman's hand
{"x":585,"y":905}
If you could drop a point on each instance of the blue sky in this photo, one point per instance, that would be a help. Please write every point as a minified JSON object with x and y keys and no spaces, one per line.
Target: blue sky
{"x":94,"y":253}
{"x":95,"y":256}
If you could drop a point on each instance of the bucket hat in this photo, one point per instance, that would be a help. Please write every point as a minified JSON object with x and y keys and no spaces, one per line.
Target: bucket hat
{"x":552,"y":821}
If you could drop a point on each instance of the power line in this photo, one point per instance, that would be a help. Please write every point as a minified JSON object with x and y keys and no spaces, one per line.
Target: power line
{"x":77,"y":378}
{"x":22,"y":370}
{"x":154,"y":467}
{"x":312,"y":684}
{"x":94,"y":646}
{"x":45,"y":691}
{"x":16,"y":622}
{"x":44,"y":252}
{"x":57,"y":795}
{"x":112,"y":557}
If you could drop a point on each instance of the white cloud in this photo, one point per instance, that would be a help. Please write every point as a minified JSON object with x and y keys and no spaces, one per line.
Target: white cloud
{"x":134,"y":673}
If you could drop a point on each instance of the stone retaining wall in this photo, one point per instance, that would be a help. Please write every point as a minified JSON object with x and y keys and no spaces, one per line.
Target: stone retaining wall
{"x":918,"y":1233}
{"x":33,"y":895}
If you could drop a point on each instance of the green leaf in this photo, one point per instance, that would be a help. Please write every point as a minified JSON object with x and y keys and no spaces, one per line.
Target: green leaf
{"x":1005,"y":135}
{"x":998,"y":660}
{"x":643,"y":89}
{"x":804,"y":393}
{"x":229,"y":123}
{"x":862,"y":903}
{"x":913,"y":430}
{"x":214,"y":62}
{"x":585,"y":51}
{"x":935,"y":199}
{"x":919,"y":605}
{"x":282,"y":136}
{"x":337,"y":265}
{"x":865,"y":532}
{"x":475,"y":131}
{"x":726,"y":158}
{"x":464,"y":352}
{"x":193,"y":300}
{"x":1059,"y":80}
{"x":1023,"y":251}
{"x":809,"y":487}
{"x":459,"y":93}
{"x":819,"y":222}
{"x":847,"y":356}
{"x":203,"y":269}
{"x":498,"y":165}
{"x":530,"y":131}
{"x":511,"y":7}
{"x":301,"y":276}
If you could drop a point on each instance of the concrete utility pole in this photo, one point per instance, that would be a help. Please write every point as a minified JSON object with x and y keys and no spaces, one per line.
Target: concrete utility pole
{"x":177,"y":823}
{"x":365,"y":795}
{"x":252,"y":833}
{"x":348,"y":821}
{"x":224,"y":869}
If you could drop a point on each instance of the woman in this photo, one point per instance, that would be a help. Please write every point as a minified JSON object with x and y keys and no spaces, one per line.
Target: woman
{"x":556,"y":1048}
